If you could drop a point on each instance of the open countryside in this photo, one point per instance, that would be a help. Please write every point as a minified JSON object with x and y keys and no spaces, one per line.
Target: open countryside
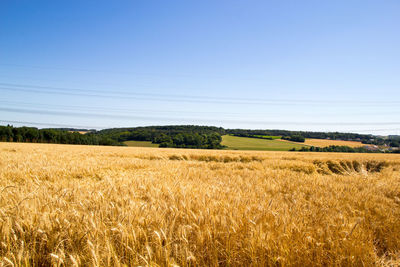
{"x":238,"y":143}
{"x":246,"y":143}
{"x":110,"y":206}
{"x":140,"y":144}
{"x":328,"y":142}
{"x":275,"y":144}
{"x":199,"y":133}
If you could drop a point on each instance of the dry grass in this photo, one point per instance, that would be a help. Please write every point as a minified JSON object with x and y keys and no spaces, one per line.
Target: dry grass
{"x":111,"y":206}
{"x":325,"y":143}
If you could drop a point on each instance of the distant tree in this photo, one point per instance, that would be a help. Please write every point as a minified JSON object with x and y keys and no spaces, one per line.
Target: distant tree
{"x":32,"y":135}
{"x":394,"y":143}
{"x":294,"y":138}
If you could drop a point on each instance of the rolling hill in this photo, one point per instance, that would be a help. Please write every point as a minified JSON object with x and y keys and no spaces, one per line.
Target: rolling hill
{"x":245,"y":143}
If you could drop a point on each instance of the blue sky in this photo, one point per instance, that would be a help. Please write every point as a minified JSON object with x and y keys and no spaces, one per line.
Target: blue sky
{"x":298,"y":65}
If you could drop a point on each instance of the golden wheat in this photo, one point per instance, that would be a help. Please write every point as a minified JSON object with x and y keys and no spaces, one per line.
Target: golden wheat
{"x":326,"y":142}
{"x":113,"y":206}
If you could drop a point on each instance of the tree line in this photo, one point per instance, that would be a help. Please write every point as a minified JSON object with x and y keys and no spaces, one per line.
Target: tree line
{"x":34,"y":135}
{"x":190,"y":136}
{"x":180,"y":136}
{"x":294,"y":138}
{"x":166,"y":136}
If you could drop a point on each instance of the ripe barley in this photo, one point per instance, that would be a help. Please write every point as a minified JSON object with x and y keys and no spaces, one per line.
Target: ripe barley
{"x":116,"y":206}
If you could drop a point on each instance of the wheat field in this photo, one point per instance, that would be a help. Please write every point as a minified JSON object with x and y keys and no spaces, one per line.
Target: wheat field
{"x":326,"y":143}
{"x":66,"y":205}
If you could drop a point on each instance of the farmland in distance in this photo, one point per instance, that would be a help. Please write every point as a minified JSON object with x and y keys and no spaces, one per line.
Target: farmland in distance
{"x":326,"y":143}
{"x":140,"y":144}
{"x":246,"y":143}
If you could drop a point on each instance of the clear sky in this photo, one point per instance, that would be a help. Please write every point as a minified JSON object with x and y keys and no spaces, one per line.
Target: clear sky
{"x":298,"y":65}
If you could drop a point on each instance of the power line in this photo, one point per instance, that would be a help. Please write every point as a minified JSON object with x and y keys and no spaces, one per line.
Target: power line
{"x":125,"y":110}
{"x":180,"y":98}
{"x":108,"y":96}
{"x":88,"y":108}
{"x":79,"y":114}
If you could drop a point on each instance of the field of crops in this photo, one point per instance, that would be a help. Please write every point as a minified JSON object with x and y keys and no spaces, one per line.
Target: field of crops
{"x":246,"y":143}
{"x":268,"y":136}
{"x":325,"y":143}
{"x":67,"y":205}
{"x":140,"y":144}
